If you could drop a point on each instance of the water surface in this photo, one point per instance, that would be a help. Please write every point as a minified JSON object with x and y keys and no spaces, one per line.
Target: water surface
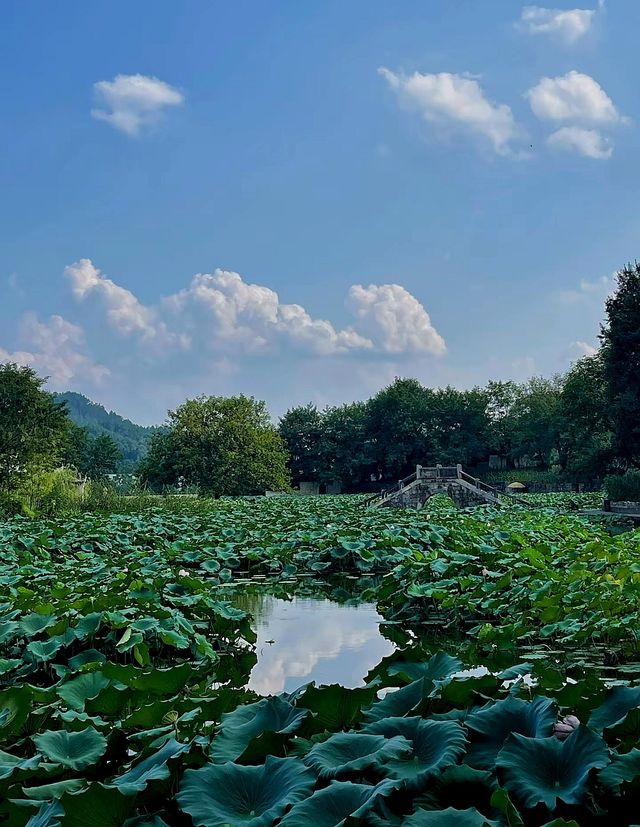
{"x":311,"y":639}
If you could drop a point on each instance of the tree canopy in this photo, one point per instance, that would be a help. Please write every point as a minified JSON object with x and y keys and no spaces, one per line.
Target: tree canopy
{"x":224,"y":446}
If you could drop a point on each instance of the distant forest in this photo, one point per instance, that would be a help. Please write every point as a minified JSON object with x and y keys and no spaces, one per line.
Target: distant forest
{"x":132,"y":440}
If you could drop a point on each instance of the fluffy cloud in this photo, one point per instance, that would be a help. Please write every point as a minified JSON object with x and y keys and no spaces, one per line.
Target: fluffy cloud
{"x":132,"y":103}
{"x":587,"y":142}
{"x":453,"y":102}
{"x":125,"y":313}
{"x":395,"y":319}
{"x":221,"y":312}
{"x":54,"y":351}
{"x":572,"y":97}
{"x":569,"y":25}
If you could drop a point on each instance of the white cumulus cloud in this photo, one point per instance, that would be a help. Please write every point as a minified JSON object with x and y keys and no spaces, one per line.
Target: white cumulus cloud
{"x":395,"y":320}
{"x":587,"y":142}
{"x":567,"y":25}
{"x":220,"y":312}
{"x":125,"y":313}
{"x":55,"y":350}
{"x":132,"y":103}
{"x":455,"y":102}
{"x":572,"y":97}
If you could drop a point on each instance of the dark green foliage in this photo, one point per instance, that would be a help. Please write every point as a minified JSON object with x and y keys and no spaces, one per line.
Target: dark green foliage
{"x":131,"y":440}
{"x":223,"y":446}
{"x":621,"y":353}
{"x":623,"y":486}
{"x":32,"y":426}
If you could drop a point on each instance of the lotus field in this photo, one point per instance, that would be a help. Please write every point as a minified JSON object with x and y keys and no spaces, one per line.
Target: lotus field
{"x":124,"y":669}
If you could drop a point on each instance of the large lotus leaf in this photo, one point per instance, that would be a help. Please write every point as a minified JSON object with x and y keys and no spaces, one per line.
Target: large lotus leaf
{"x":448,"y":818}
{"x":623,"y":769}
{"x":542,"y":770}
{"x":33,"y":624}
{"x":73,"y":750}
{"x":401,"y":702}
{"x":49,"y":792}
{"x":44,"y":649}
{"x":48,"y":815}
{"x":219,"y":795}
{"x":490,"y":726}
{"x":437,"y":668}
{"x":334,"y":707}
{"x":459,"y":786}
{"x":240,"y":727}
{"x":9,"y":664}
{"x":435,"y":745}
{"x":15,"y":706}
{"x":330,"y":806}
{"x":96,"y":806}
{"x":10,"y":763}
{"x":75,"y":693}
{"x":619,"y":702}
{"x":354,"y":752}
{"x":153,"y":768}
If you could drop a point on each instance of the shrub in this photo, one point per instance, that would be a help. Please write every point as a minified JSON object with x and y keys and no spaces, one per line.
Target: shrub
{"x":623,"y":487}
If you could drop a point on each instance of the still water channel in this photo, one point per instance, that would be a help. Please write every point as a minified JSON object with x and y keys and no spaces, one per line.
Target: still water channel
{"x":311,"y":639}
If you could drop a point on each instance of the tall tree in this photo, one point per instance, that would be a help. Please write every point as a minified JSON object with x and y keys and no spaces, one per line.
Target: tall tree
{"x":460,"y":426}
{"x":399,"y":427}
{"x":225,"y":446}
{"x":587,"y":423}
{"x":537,"y":425}
{"x":620,"y":338}
{"x":301,"y":429}
{"x":345,"y":447}
{"x":33,"y":425}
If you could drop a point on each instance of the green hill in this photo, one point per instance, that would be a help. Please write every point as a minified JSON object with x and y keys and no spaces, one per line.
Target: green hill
{"x":131,"y":439}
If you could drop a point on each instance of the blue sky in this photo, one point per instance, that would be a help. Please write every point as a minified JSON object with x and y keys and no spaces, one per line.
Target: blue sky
{"x":300,"y":201}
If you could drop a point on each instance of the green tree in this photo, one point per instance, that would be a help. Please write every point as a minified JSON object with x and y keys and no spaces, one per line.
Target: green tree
{"x":103,"y":457}
{"x":537,"y":425}
{"x":587,"y":423}
{"x":500,"y":398}
{"x":33,"y":426}
{"x":399,"y":428}
{"x":345,"y":448}
{"x":224,"y":446}
{"x":620,"y":338}
{"x":301,"y":429}
{"x":460,"y":426}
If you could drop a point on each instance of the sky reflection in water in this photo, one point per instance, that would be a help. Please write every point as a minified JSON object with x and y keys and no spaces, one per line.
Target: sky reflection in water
{"x":313,"y":640}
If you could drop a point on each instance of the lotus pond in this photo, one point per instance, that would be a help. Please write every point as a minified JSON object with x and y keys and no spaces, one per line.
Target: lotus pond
{"x":129,"y":644}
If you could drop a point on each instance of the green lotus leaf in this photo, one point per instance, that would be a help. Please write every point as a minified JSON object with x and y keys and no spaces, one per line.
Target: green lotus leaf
{"x":15,"y":706}
{"x":400,"y":702}
{"x":354,"y":752}
{"x":490,"y":726}
{"x":623,"y":769}
{"x":219,"y":795}
{"x":153,"y":768}
{"x":331,"y":806}
{"x":448,"y":818}
{"x":244,"y":724}
{"x":542,"y":770}
{"x":459,"y":786}
{"x":619,"y":702}
{"x":33,"y":624}
{"x":334,"y":707}
{"x":44,"y":649}
{"x":88,"y":625}
{"x":435,"y":745}
{"x":49,"y":792}
{"x":437,"y":668}
{"x":10,"y":763}
{"x":76,"y":692}
{"x":73,"y":750}
{"x":96,"y":806}
{"x":9,"y":664}
{"x":48,"y":815}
